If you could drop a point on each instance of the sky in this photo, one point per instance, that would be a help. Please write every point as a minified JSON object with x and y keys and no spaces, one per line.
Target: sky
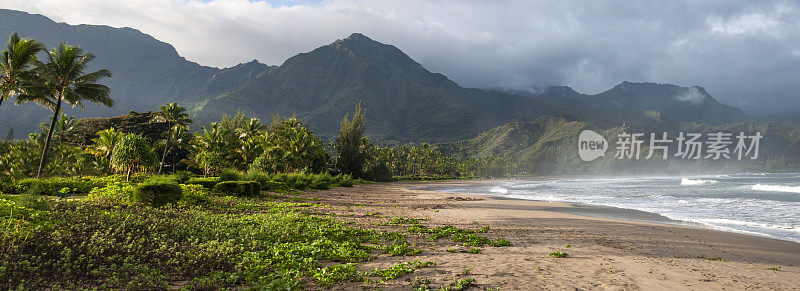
{"x":745,"y":53}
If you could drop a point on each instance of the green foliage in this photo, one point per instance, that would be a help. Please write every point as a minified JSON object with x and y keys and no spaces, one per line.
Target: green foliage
{"x":207,"y":183}
{"x":50,"y":186}
{"x":230,"y":175}
{"x":337,"y":274}
{"x":182,"y":176}
{"x":400,"y":249}
{"x":230,"y":242}
{"x":474,"y":251}
{"x":351,"y":146}
{"x":378,"y":172}
{"x":289,"y":147}
{"x":133,"y":153}
{"x":157,"y":191}
{"x":558,"y":254}
{"x":238,"y":188}
{"x":193,"y":195}
{"x":113,"y":193}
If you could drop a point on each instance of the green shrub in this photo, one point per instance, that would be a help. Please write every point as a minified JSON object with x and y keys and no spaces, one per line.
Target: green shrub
{"x":182,"y":176}
{"x":238,"y":188}
{"x":193,"y":194}
{"x":208,"y":183}
{"x":343,"y":180}
{"x":257,"y":176}
{"x":274,"y":186}
{"x":112,"y":193}
{"x":50,"y":186}
{"x":157,"y":192}
{"x":379,"y":172}
{"x":230,"y":175}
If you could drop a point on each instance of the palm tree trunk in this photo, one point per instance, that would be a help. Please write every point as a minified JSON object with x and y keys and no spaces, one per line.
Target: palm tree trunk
{"x":1,"y":100}
{"x":42,"y":161}
{"x":128,"y":176}
{"x":163,"y":158}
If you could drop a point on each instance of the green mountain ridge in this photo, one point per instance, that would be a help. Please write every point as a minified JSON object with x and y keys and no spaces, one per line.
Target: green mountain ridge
{"x":549,"y":145}
{"x":404,"y":102}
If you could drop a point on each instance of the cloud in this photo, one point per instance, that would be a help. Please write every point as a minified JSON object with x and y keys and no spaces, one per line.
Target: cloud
{"x":693,"y":96}
{"x":745,"y":53}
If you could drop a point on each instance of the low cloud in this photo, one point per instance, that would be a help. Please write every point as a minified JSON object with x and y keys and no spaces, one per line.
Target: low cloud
{"x":693,"y":96}
{"x":743,"y":52}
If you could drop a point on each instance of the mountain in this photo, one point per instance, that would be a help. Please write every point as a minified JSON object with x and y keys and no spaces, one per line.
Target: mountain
{"x":549,"y":145}
{"x":404,"y":102}
{"x":146,"y":72}
{"x":676,"y":103}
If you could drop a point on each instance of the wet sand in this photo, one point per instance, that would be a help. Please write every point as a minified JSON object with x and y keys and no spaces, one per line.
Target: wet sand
{"x":603,"y":253}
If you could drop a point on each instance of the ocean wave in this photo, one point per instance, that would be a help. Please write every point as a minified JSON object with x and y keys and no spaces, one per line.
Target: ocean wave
{"x":499,"y":189}
{"x":690,"y":182}
{"x":776,"y":188}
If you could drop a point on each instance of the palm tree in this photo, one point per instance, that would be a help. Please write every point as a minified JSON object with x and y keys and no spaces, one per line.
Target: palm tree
{"x":103,"y":147}
{"x":16,"y":65}
{"x":175,"y":116}
{"x":62,"y":79}
{"x":172,"y":140}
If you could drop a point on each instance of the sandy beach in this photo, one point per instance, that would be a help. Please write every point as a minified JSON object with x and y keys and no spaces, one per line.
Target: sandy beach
{"x":603,"y":253}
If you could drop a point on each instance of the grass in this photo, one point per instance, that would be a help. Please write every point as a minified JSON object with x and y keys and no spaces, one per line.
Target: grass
{"x":775,"y":268}
{"x":558,"y":254}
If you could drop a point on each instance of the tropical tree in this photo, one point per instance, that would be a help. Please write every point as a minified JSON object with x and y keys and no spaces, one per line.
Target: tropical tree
{"x":16,"y":65}
{"x":177,"y":121}
{"x":206,"y":148}
{"x":103,"y":145}
{"x":133,"y":153}
{"x":250,"y":128}
{"x":291,"y":147}
{"x":350,"y":145}
{"x":171,"y":140}
{"x":62,"y":80}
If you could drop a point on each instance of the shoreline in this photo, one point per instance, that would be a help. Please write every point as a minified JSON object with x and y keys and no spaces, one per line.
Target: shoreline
{"x":604,"y":253}
{"x":599,"y":211}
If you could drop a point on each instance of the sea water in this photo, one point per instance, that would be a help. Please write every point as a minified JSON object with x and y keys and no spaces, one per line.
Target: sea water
{"x":762,"y":204}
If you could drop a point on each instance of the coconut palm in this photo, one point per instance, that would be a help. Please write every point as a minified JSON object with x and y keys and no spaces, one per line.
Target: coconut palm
{"x":103,"y":146}
{"x":61,"y":80}
{"x":177,"y":123}
{"x":172,"y":139}
{"x":18,"y":60}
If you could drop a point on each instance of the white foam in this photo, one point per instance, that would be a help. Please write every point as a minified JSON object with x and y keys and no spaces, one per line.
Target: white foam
{"x":690,"y":182}
{"x":499,"y":189}
{"x":776,"y":188}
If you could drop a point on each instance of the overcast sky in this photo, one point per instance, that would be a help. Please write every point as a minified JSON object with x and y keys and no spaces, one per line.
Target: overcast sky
{"x":745,"y":53}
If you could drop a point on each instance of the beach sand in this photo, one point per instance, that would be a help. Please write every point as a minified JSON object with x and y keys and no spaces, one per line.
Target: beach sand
{"x":603,"y":253}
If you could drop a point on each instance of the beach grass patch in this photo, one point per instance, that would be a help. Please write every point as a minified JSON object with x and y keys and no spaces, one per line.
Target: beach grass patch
{"x":558,"y":254}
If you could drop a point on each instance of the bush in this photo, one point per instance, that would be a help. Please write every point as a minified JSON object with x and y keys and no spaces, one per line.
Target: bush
{"x":230,"y":175}
{"x":274,"y":186}
{"x":238,"y":188}
{"x":207,"y":183}
{"x":257,"y":176}
{"x":50,"y":186}
{"x":157,"y":192}
{"x":182,"y":176}
{"x":378,"y":172}
{"x":113,"y":193}
{"x":193,"y":195}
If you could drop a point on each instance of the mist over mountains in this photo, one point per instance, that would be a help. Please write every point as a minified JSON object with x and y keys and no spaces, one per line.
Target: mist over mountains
{"x":404,"y":102}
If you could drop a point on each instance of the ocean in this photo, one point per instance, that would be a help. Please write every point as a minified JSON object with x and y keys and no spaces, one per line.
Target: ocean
{"x":761,"y":204}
